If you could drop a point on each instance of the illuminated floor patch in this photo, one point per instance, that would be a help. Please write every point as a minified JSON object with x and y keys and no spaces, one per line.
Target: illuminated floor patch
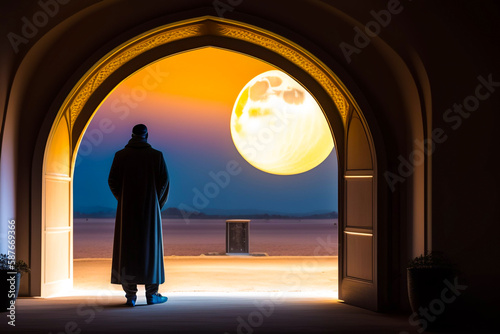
{"x":215,"y":276}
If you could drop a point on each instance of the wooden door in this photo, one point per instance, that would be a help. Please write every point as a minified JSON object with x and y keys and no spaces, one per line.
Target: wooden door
{"x":57,"y":221}
{"x":358,"y":233}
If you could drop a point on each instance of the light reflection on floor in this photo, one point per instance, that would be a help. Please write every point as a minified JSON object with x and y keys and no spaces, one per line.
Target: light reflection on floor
{"x":327,"y":296}
{"x":259,"y":277}
{"x":210,"y":295}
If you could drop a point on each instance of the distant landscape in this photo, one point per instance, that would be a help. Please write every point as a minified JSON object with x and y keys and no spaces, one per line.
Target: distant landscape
{"x":175,"y":213}
{"x":93,"y":237}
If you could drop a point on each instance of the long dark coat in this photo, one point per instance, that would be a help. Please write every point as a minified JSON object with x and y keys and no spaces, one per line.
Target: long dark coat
{"x":139,"y":180}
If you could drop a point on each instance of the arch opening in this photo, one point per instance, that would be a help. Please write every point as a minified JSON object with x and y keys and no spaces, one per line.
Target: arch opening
{"x":357,"y":235}
{"x":187,"y":109}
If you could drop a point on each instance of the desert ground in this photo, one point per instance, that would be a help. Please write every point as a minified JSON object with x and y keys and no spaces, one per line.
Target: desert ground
{"x":287,"y":256}
{"x":93,"y":238}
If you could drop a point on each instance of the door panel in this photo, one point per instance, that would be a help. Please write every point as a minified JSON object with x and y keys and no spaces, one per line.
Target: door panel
{"x":359,"y":192}
{"x":359,"y":155}
{"x":358,"y":271}
{"x":359,"y":262}
{"x":57,"y":219}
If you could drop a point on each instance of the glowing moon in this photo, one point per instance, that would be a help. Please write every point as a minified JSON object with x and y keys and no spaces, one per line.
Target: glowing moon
{"x":278,"y":127}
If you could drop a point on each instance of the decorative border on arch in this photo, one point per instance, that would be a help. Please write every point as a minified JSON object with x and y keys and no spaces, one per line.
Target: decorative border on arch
{"x":194,"y":28}
{"x":293,"y":54}
{"x":121,"y":56}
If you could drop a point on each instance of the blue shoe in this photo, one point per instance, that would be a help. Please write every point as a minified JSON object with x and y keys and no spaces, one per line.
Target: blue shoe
{"x":156,"y":299}
{"x":131,"y":301}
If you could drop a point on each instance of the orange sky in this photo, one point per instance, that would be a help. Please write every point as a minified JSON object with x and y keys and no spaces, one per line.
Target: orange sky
{"x":187,"y":110}
{"x":199,"y":80}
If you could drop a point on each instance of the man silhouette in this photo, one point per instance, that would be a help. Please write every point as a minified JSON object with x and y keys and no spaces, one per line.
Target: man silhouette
{"x":139,"y":181}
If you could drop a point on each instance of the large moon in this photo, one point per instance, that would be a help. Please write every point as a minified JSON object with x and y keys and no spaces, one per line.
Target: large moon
{"x":278,"y":127}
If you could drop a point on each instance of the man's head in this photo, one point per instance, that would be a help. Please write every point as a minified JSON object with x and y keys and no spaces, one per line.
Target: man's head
{"x":140,"y":131}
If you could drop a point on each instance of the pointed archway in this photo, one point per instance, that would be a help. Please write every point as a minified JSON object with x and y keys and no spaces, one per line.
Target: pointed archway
{"x":358,"y":239}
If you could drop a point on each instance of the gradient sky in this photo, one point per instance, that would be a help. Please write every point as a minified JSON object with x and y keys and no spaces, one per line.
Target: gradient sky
{"x":186,"y":102}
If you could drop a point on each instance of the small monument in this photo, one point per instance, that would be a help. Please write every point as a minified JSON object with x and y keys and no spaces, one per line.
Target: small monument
{"x":237,"y":237}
